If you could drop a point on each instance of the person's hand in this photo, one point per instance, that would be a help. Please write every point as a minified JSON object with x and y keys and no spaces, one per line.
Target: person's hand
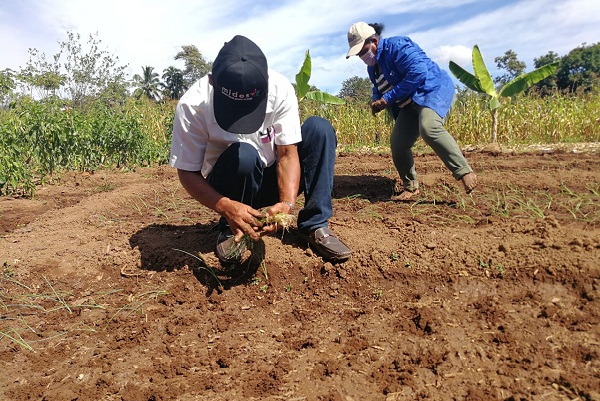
{"x":281,"y":207}
{"x":378,"y":105}
{"x":243,"y":219}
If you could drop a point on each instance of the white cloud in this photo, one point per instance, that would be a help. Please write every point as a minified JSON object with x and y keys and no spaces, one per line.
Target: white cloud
{"x":461,"y":55}
{"x":151,"y":32}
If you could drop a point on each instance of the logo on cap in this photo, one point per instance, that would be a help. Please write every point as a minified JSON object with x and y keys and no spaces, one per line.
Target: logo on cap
{"x":240,"y":78}
{"x":235,"y":95}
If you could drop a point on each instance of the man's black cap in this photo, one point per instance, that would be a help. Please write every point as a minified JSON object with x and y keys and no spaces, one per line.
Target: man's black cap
{"x":240,"y":82}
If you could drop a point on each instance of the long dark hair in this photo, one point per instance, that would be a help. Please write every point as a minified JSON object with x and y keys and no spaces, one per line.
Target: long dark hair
{"x":378,"y":28}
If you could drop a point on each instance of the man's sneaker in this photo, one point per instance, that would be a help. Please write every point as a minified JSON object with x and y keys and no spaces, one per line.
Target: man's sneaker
{"x":327,"y":244}
{"x":228,"y":251}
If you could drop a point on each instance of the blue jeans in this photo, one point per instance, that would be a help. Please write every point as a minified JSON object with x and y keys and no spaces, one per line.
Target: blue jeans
{"x":238,"y":174}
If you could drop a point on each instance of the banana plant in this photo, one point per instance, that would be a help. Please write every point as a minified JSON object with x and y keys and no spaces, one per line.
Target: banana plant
{"x":482,"y":82}
{"x":303,"y":88}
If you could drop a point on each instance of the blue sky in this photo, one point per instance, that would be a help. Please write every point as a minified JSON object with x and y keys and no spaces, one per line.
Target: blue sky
{"x":151,"y":32}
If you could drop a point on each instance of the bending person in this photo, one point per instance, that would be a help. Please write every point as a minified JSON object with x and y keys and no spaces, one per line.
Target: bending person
{"x":418,"y":94}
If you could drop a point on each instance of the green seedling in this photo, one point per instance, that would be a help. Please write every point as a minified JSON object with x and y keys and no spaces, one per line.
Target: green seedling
{"x":500,"y":269}
{"x":57,"y":295}
{"x":15,"y":337}
{"x":263,"y":268}
{"x":138,"y":301}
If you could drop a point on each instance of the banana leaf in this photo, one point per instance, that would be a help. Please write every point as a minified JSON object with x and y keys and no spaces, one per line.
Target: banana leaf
{"x":302,"y":78}
{"x":482,"y":73}
{"x":522,"y":82}
{"x":324,"y":97}
{"x":464,"y":76}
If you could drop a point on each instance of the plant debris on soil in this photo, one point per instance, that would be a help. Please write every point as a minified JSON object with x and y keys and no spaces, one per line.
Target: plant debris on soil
{"x":110,"y":290}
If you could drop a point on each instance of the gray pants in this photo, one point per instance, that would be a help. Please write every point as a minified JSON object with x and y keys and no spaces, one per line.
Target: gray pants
{"x":415,"y":120}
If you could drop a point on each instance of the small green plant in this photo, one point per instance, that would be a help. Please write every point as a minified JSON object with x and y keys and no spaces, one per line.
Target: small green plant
{"x":288,"y":287}
{"x":394,"y":257}
{"x":20,"y":302}
{"x":378,"y":294}
{"x":369,"y":213}
{"x":491,"y":269}
{"x":528,"y":204}
{"x":7,"y":270}
{"x":59,"y":297}
{"x":263,"y":268}
{"x":14,"y":336}
{"x":499,"y":267}
{"x":137,"y":303}
{"x":264,"y":288}
{"x":105,"y":187}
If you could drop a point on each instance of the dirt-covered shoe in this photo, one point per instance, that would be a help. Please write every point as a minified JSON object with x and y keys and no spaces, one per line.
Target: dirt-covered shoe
{"x":406,"y":195}
{"x":470,"y":182}
{"x":228,"y":251}
{"x":327,"y":244}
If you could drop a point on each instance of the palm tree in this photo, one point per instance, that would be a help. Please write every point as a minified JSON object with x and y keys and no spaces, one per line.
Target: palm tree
{"x":174,"y":84}
{"x":147,"y":84}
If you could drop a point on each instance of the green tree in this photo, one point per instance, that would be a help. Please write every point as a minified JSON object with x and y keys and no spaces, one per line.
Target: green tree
{"x":7,"y":85}
{"x":173,"y":83}
{"x":511,"y":64}
{"x":195,"y":65}
{"x":41,"y":76}
{"x":91,"y":73}
{"x":147,"y":84}
{"x":46,"y":83}
{"x":580,"y":69}
{"x":357,"y":88}
{"x":78,"y":73}
{"x":482,"y":82}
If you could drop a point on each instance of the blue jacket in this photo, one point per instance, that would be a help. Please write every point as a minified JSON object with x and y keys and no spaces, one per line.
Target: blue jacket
{"x":412,"y":74}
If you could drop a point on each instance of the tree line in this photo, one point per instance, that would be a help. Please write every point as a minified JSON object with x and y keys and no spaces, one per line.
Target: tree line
{"x":78,"y":75}
{"x":81,"y":74}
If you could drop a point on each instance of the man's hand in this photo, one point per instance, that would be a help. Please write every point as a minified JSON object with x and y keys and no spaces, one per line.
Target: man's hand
{"x":378,"y":105}
{"x":242,"y":219}
{"x":281,"y":207}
